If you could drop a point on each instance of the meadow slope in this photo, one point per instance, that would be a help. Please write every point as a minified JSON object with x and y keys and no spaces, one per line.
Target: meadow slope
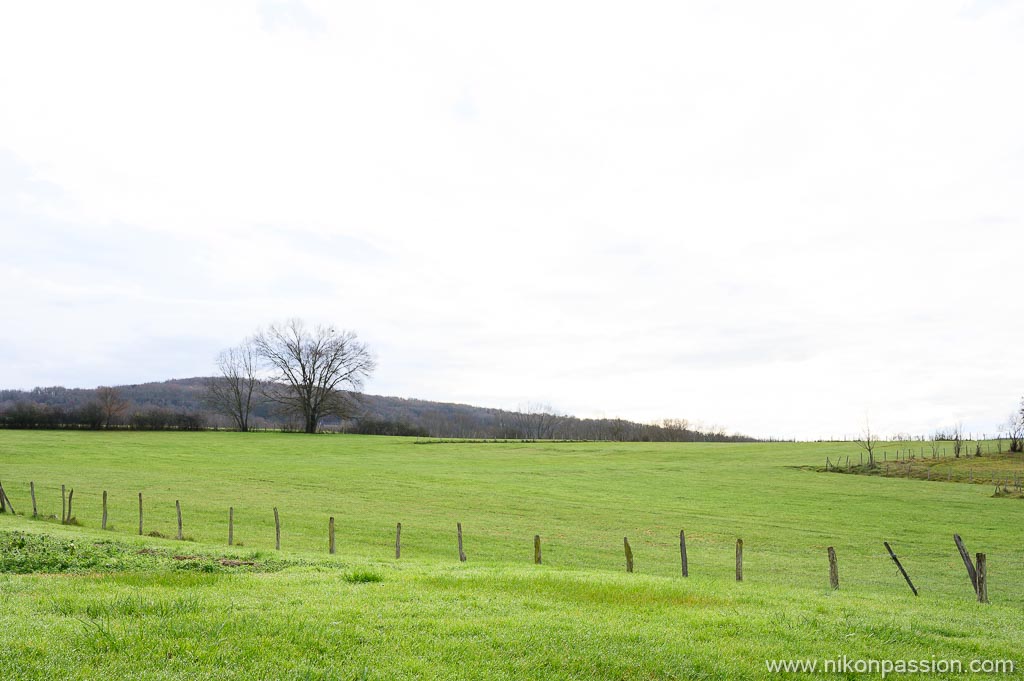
{"x":362,"y":614}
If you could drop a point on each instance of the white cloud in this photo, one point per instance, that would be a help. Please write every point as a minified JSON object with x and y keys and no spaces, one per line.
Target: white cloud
{"x":771,"y":216}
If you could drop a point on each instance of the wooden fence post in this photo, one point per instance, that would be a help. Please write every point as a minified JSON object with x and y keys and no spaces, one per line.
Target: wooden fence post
{"x":103,"y":525}
{"x":63,"y":504}
{"x":3,"y":502}
{"x":682,"y":553}
{"x":900,"y":566}
{"x":972,"y":574}
{"x":32,"y":490}
{"x":140,"y":514}
{"x":462,"y":554}
{"x":71,"y":497}
{"x":6,"y":500}
{"x":629,"y":554}
{"x":177,"y":506}
{"x":330,"y":536}
{"x":833,"y":568}
{"x":231,"y":525}
{"x":536,"y":549}
{"x":398,"y":541}
{"x":277,"y":529}
{"x":982,"y":578}
{"x":739,"y":560}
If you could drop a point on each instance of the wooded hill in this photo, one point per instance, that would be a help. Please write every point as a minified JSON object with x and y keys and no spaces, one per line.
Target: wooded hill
{"x":178,"y":404}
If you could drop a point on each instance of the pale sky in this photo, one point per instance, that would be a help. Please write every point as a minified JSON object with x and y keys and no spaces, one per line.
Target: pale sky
{"x":778,"y":217}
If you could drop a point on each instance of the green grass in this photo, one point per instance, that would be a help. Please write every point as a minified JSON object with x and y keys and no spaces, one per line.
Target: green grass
{"x":110,"y":611}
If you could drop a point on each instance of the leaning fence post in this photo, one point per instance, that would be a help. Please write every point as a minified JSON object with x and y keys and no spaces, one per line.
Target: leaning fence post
{"x":177,"y":505}
{"x":536,"y":549}
{"x":3,"y":502}
{"x":398,"y":541}
{"x":972,"y":574}
{"x":140,"y":514}
{"x":462,"y":554}
{"x":682,"y":553}
{"x":63,"y":504}
{"x":739,"y":560}
{"x":330,"y":536}
{"x":103,"y":525}
{"x":629,"y":554}
{"x":900,"y":566}
{"x":982,"y":578}
{"x":32,"y":490}
{"x":277,"y":529}
{"x":231,"y":525}
{"x":833,"y":568}
{"x":6,"y":499}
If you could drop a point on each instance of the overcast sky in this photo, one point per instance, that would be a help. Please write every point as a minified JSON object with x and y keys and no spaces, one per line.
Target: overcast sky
{"x":778,"y":217}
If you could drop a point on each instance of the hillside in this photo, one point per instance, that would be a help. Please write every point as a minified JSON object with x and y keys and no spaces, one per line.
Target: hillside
{"x":178,"y":403}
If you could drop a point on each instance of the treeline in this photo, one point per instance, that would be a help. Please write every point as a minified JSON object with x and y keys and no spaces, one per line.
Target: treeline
{"x":444,"y":419}
{"x":32,"y":415}
{"x":180,"y":405}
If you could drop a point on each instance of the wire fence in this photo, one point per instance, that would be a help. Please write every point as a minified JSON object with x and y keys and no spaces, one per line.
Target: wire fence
{"x":920,"y":565}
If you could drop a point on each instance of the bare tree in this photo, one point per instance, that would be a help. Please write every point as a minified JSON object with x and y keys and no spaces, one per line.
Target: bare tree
{"x":956,"y":434}
{"x":536,"y":421}
{"x":233,"y":393}
{"x":314,"y":372}
{"x":112,"y":405}
{"x":676,"y":430}
{"x":1015,"y":428}
{"x":868,"y":441}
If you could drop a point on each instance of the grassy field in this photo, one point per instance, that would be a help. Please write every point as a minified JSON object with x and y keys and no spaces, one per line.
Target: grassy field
{"x":78,"y":601}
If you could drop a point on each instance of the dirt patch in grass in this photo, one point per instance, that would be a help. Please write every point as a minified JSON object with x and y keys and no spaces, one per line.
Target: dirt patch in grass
{"x":228,"y":562}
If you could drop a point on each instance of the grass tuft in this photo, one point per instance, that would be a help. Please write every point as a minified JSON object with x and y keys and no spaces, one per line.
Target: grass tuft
{"x":362,"y":577}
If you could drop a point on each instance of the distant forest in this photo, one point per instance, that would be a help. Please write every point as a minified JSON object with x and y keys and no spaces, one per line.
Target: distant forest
{"x":180,"y":405}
